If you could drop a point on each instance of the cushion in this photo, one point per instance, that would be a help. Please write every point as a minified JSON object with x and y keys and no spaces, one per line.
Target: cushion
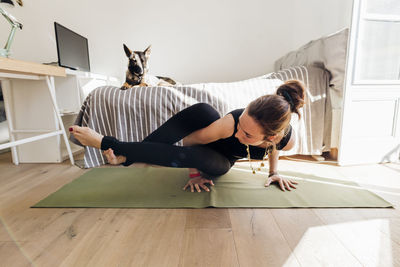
{"x":329,"y":52}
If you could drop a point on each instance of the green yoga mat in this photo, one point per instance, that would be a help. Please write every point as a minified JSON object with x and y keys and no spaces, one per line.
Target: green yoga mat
{"x":152,"y":187}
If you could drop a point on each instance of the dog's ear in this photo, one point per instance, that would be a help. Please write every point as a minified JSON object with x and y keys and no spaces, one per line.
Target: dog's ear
{"x":147,"y":51}
{"x":128,"y":52}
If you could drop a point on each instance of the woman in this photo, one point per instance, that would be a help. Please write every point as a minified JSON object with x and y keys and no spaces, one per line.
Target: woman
{"x":212,"y":144}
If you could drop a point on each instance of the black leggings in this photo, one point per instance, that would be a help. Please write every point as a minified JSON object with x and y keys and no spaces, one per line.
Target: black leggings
{"x":158,"y":148}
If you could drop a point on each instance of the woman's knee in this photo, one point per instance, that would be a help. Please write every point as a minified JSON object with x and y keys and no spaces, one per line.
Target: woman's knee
{"x":221,"y":169}
{"x":216,"y":165}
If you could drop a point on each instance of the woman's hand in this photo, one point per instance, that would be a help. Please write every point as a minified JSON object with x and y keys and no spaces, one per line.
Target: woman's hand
{"x":198,"y":182}
{"x":112,"y":159}
{"x":282,"y":182}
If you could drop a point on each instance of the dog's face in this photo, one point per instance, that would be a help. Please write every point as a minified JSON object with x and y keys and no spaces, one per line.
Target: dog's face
{"x":137,"y":61}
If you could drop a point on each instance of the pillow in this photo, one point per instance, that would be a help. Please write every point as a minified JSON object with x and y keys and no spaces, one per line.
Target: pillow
{"x":328,"y":52}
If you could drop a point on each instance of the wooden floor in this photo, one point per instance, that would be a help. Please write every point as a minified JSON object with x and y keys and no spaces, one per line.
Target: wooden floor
{"x":195,"y":237}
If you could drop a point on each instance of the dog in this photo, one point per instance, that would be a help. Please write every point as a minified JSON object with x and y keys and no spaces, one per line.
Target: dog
{"x":137,"y":73}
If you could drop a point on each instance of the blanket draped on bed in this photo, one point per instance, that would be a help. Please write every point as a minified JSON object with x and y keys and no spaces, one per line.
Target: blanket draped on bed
{"x":131,"y":115}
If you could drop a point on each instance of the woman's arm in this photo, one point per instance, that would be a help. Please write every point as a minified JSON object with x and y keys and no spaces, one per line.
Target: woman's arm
{"x":273,"y":167}
{"x":221,"y":128}
{"x":273,"y":158}
{"x":274,"y":155}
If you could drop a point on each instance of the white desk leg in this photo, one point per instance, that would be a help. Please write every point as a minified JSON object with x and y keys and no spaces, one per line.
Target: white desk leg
{"x":52,"y":90}
{"x":6,"y":87}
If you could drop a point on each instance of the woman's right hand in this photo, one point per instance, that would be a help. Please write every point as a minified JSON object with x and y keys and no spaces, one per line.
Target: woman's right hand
{"x":198,"y":182}
{"x":112,"y":159}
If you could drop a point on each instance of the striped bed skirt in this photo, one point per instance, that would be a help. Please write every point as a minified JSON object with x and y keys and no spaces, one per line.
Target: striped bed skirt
{"x":130,"y":115}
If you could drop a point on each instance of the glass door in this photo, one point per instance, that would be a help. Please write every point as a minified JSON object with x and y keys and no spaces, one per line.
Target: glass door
{"x":370,"y":120}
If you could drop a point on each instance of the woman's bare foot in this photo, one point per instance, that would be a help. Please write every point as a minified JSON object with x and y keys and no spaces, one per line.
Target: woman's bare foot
{"x":112,"y":159}
{"x":86,"y":136}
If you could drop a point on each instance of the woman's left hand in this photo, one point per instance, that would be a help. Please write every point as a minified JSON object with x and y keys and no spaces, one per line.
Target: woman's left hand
{"x":198,"y":182}
{"x":283,"y":183}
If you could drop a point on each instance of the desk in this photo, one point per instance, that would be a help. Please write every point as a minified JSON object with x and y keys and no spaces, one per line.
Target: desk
{"x":15,"y":70}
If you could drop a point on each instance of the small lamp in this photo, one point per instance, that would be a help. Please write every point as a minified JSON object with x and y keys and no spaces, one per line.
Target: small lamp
{"x":5,"y":52}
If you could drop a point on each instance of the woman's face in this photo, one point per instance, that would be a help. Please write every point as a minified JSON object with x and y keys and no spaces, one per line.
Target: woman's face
{"x":249,"y":132}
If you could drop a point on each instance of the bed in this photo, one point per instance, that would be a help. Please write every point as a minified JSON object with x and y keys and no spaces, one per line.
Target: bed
{"x":320,"y":64}
{"x":132,"y":114}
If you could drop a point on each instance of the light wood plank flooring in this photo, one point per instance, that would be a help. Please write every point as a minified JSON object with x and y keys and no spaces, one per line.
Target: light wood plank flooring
{"x":196,"y":237}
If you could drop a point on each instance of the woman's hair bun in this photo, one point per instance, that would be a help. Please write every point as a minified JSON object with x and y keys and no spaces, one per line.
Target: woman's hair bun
{"x":293,"y":92}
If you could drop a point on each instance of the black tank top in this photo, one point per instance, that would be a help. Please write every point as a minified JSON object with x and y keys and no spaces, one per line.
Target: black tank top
{"x":234,"y":150}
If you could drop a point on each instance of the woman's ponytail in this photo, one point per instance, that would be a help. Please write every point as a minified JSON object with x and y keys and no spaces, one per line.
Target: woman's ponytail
{"x":293,"y":92}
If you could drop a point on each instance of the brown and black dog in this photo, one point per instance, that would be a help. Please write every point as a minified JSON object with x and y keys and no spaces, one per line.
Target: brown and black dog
{"x":137,"y":73}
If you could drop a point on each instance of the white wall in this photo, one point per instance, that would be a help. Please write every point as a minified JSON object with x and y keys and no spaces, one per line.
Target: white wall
{"x":192,"y":41}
